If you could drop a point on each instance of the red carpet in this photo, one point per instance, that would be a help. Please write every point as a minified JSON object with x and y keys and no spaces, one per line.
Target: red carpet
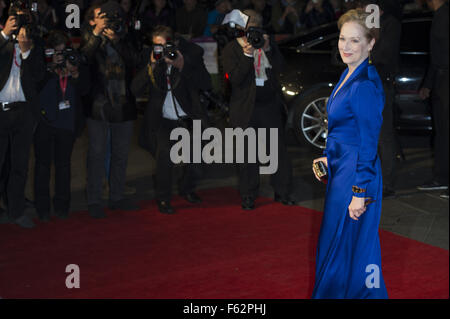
{"x":212,"y":251}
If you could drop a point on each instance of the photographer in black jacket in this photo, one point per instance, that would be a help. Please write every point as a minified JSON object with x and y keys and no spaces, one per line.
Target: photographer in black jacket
{"x":257,"y":102}
{"x":173,"y":82}
{"x":67,"y":79}
{"x":21,"y":69}
{"x":112,"y":61}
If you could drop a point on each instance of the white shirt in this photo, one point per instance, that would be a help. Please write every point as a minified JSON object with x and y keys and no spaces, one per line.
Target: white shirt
{"x":168,"y":110}
{"x":12,"y":91}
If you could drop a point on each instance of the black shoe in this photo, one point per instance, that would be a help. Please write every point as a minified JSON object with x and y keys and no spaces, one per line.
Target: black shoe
{"x":165,"y":208}
{"x":432,"y":186}
{"x":24,"y":222}
{"x":123,"y":204}
{"x":248,"y":203}
{"x":192,"y":198}
{"x":388,"y":193}
{"x":283,"y":200}
{"x":96,"y":211}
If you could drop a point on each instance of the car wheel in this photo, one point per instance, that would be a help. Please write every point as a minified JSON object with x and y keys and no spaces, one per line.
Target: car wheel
{"x":310,"y":122}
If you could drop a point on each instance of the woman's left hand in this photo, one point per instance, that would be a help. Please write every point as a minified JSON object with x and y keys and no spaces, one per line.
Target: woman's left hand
{"x":357,"y":207}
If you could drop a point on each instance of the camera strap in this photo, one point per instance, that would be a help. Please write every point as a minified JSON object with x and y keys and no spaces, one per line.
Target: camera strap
{"x":63,"y":85}
{"x":150,"y":74}
{"x":15,"y":59}
{"x":169,"y":89}
{"x":258,"y":65}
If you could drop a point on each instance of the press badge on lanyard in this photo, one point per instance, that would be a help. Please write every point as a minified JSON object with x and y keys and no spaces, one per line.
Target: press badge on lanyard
{"x":64,"y":104}
{"x":259,"y":81}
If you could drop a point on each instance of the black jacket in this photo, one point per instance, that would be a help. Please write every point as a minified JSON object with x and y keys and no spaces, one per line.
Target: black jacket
{"x":51,"y":95}
{"x":32,"y":71}
{"x":241,"y":73}
{"x":439,"y":43}
{"x":386,"y":52}
{"x":94,"y":48}
{"x":185,"y":84}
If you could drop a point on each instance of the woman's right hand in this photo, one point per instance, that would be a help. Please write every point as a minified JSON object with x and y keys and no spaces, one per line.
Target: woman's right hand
{"x":320,"y":159}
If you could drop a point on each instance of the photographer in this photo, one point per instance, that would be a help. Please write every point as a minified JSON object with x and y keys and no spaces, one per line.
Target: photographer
{"x":112,"y":62}
{"x":21,"y":69}
{"x":256,"y":102}
{"x":174,"y":78}
{"x":62,"y":121}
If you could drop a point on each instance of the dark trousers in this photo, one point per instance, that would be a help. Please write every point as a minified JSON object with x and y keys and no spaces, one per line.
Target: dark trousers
{"x":121,"y":134}
{"x":52,"y":145}
{"x":164,"y":165}
{"x":440,"y":105}
{"x":16,"y":132}
{"x":388,"y":145}
{"x":266,"y":117}
{"x":4,"y":174}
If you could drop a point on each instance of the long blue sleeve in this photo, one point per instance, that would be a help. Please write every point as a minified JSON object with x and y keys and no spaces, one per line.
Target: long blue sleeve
{"x":367,"y":103}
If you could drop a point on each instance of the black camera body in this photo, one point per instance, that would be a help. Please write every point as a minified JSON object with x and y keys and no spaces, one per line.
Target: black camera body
{"x":24,"y":7}
{"x":69,"y":54}
{"x":24,"y":18}
{"x":72,"y":56}
{"x":227,"y":33}
{"x":169,"y":50}
{"x":114,"y":16}
{"x":255,"y":36}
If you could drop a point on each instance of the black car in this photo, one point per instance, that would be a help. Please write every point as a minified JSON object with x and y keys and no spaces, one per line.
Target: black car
{"x":314,"y":67}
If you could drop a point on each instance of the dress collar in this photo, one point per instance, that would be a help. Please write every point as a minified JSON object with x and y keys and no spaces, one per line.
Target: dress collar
{"x":353,"y":76}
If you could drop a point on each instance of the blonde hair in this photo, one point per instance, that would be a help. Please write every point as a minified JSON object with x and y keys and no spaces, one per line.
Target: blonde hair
{"x":359,"y":16}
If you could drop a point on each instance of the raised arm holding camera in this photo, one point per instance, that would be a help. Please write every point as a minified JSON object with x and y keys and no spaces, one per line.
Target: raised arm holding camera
{"x":112,"y":61}
{"x":22,"y":67}
{"x":174,"y":75}
{"x":66,"y":81}
{"x":253,"y":63}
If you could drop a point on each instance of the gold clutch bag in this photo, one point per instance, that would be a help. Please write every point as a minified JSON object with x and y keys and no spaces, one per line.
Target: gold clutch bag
{"x":321,"y":171}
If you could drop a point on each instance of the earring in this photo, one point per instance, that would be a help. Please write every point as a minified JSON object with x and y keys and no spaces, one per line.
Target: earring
{"x":370,"y":57}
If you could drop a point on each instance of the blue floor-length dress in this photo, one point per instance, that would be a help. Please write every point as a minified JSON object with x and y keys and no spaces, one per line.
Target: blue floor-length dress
{"x":348,"y":259}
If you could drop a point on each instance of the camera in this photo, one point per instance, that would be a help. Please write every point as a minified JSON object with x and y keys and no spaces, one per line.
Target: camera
{"x":255,"y":36}
{"x":69,"y":54}
{"x":169,"y":50}
{"x":24,"y":18}
{"x":114,"y":16}
{"x":227,"y":33}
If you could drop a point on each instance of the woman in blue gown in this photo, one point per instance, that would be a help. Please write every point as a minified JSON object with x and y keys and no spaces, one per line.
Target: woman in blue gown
{"x":348,"y":259}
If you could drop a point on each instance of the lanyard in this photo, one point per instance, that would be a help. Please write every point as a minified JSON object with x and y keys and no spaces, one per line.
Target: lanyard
{"x":169,"y":88}
{"x":15,"y":60}
{"x":258,"y":67}
{"x":63,"y":85}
